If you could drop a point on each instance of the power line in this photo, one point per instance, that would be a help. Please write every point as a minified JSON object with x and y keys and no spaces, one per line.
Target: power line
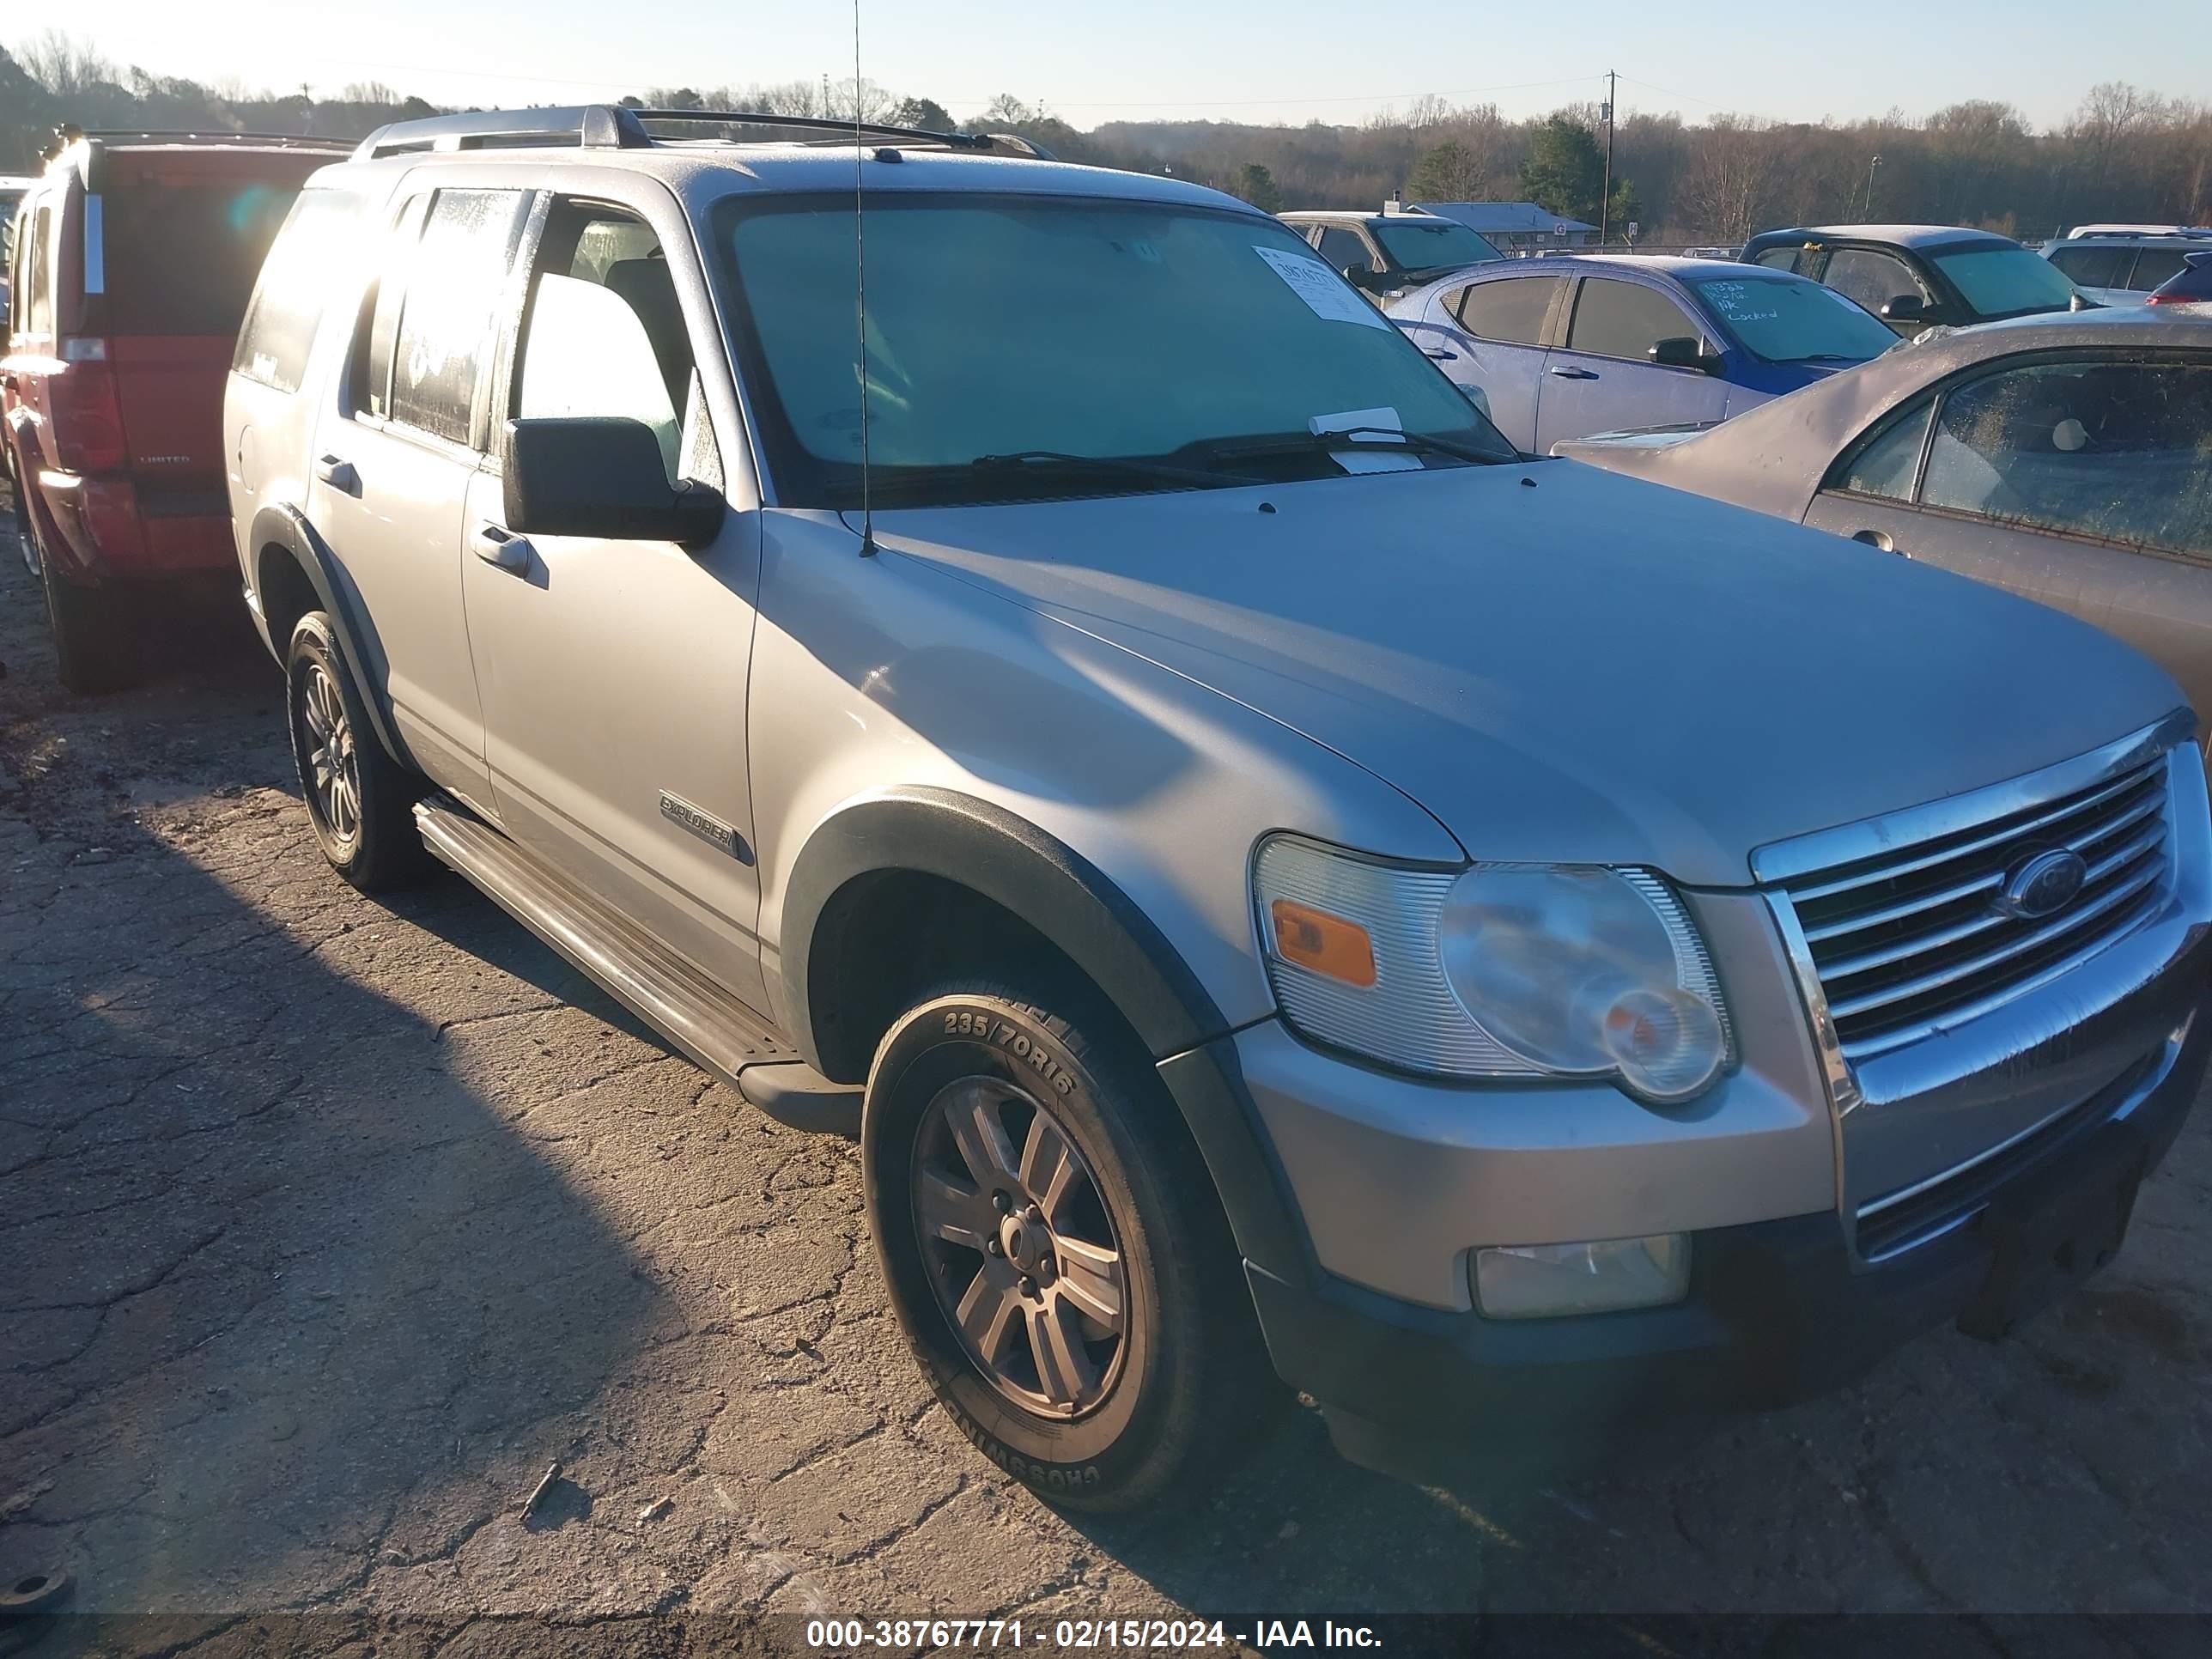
{"x":1653,"y":85}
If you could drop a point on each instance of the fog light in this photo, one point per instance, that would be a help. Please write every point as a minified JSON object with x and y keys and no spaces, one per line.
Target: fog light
{"x":1543,"y":1281}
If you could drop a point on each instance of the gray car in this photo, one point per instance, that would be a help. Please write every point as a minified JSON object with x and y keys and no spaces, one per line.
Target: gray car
{"x":2067,"y":457}
{"x":1299,"y":896}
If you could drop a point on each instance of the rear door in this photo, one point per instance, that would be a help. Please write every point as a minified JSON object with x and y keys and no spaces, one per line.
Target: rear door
{"x":2155,"y":267}
{"x":2101,"y":273}
{"x":2079,"y":482}
{"x":171,"y":249}
{"x":396,"y":452}
{"x":1601,"y":378}
{"x":1499,"y":347}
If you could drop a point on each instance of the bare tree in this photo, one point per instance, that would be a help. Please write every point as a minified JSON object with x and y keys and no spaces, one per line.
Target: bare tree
{"x":1727,"y":190}
{"x":66,"y":66}
{"x":1428,"y":110}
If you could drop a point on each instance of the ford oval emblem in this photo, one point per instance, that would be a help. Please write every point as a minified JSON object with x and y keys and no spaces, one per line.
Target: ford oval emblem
{"x":2044,"y":885}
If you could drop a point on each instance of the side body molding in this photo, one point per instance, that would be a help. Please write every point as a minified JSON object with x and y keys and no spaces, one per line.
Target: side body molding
{"x":1079,"y":909}
{"x":280,"y":524}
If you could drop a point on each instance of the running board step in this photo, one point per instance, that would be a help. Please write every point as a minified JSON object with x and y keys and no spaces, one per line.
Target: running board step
{"x":717,"y":1032}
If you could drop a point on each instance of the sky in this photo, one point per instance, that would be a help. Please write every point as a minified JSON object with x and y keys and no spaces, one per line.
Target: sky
{"x":1243,"y":60}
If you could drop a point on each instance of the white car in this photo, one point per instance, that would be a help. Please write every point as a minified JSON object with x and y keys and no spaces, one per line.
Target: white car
{"x":2121,"y":264}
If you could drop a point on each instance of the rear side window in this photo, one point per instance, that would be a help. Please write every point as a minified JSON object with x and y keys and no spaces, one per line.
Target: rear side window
{"x":454,"y":282}
{"x":2094,"y":267}
{"x":1779,"y":259}
{"x":2154,"y":268}
{"x":1625,"y":320}
{"x":179,"y":258}
{"x":316,"y":244}
{"x":1511,"y":310}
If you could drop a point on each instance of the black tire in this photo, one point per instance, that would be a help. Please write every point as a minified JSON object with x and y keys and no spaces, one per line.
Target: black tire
{"x":1183,"y":1387}
{"x":360,"y":800}
{"x":95,"y":633}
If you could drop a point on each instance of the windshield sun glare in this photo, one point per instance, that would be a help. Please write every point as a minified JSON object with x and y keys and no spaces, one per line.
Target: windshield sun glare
{"x":1090,"y":331}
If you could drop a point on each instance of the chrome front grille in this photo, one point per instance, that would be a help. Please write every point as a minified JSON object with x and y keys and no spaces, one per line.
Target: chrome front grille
{"x":1911,"y":940}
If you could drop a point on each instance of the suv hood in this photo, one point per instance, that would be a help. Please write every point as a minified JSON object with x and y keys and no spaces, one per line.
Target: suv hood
{"x":1562,"y":665}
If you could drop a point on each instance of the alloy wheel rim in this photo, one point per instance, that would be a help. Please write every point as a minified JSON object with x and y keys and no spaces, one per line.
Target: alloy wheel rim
{"x":1021,"y":1249}
{"x":326,"y":746}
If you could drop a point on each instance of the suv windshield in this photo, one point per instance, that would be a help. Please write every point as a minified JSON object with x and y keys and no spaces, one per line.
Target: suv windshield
{"x":1421,"y":245}
{"x":1790,"y":320}
{"x":2006,"y":280}
{"x":1066,"y":332}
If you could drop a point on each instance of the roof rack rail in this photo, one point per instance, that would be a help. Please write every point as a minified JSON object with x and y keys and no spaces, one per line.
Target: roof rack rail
{"x":219,"y":136}
{"x":617,"y":126}
{"x":832,"y":128}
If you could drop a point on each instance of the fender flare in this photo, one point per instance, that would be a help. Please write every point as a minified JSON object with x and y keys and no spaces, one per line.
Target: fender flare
{"x":1099,"y":927}
{"x":280,"y":524}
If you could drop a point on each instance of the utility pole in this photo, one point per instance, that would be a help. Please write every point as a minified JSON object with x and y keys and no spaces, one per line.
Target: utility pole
{"x":1872,"y":167}
{"x":1605,"y":205}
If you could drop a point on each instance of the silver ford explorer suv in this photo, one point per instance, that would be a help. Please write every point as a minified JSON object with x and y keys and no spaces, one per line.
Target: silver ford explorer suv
{"x":1297,"y":893}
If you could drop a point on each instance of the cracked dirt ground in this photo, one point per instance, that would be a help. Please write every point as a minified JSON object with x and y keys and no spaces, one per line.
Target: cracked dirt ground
{"x":327,"y":1223}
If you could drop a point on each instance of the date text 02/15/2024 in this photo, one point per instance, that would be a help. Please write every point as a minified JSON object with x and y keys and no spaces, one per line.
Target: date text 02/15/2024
{"x":1081,"y":1634}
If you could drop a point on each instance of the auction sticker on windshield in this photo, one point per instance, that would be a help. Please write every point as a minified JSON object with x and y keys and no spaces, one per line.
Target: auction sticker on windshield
{"x":1322,"y":288}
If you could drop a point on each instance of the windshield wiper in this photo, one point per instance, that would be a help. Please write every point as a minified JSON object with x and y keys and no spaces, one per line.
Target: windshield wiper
{"x":1375,"y":439}
{"x":1046,"y":459}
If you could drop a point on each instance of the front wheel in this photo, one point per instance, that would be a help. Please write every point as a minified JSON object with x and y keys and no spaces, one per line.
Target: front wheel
{"x":1056,"y":1253}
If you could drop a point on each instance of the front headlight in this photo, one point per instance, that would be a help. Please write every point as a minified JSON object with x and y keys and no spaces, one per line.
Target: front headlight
{"x":1494,"y":971}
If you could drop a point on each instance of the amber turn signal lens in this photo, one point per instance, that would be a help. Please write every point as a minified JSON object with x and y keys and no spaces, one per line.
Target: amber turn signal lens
{"x":1327,"y":944}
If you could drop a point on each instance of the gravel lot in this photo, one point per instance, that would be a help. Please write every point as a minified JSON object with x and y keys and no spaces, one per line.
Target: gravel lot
{"x":325,"y":1225}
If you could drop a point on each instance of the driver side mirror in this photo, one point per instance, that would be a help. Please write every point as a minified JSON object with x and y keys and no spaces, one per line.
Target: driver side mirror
{"x":1905,"y":308}
{"x":600,"y":476}
{"x":1685,"y":351}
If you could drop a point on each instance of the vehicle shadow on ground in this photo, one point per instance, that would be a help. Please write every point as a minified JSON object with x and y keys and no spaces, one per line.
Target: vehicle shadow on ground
{"x":284,"y":1293}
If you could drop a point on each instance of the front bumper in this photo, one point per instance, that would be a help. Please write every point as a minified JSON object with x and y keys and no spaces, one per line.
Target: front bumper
{"x":1777,"y":1310}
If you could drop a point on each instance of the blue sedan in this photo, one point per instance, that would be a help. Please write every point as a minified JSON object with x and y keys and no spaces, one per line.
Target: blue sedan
{"x":1565,"y":347}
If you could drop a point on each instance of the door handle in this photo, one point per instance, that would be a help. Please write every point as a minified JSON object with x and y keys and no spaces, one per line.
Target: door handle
{"x":339,"y":475}
{"x":1440,"y":354}
{"x":495,"y":546}
{"x":1876,"y":538}
{"x":1573,"y":373}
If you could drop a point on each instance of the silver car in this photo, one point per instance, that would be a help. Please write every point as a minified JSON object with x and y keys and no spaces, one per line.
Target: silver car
{"x":1297,"y":893}
{"x":2067,"y":457}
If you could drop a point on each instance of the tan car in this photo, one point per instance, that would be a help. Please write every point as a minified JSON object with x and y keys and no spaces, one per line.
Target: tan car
{"x":2068,"y":458}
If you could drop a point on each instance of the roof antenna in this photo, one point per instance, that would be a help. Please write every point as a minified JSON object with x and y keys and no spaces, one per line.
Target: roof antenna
{"x":861,"y":275}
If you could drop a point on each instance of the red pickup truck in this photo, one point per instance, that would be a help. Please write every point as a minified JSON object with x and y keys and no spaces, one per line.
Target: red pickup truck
{"x":134,"y":260}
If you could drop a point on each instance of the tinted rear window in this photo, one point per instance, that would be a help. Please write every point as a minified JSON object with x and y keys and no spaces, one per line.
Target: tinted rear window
{"x":2095,"y":267}
{"x":2156,"y":267}
{"x":1512,"y":309}
{"x":181,"y":258}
